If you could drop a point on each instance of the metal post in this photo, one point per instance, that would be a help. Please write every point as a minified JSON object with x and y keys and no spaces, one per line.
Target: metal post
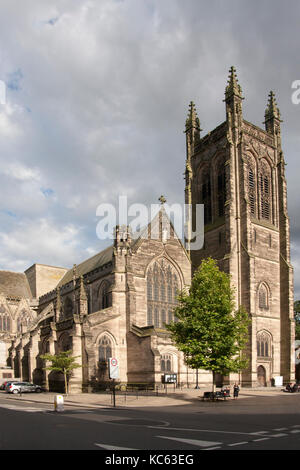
{"x":114,"y":393}
{"x":197,"y":383}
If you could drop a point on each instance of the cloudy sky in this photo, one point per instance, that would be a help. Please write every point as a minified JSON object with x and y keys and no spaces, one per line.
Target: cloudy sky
{"x":97,"y":94}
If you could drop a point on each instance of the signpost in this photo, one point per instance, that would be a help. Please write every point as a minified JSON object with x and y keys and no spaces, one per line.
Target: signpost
{"x":113,"y":367}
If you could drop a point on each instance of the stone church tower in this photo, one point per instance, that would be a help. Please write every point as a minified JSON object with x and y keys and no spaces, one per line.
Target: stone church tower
{"x":238,"y":172}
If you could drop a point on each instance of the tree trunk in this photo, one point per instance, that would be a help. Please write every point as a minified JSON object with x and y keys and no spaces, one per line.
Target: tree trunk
{"x":66,"y":383}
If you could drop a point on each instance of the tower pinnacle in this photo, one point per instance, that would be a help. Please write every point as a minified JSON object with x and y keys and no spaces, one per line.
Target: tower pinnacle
{"x":233,"y":87}
{"x":272,"y":110}
{"x":192,"y":120}
{"x":272,"y":115}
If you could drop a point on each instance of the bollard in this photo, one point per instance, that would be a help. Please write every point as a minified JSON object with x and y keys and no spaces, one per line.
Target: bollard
{"x":58,"y":403}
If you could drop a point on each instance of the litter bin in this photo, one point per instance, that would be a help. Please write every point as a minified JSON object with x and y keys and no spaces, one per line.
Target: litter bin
{"x":58,"y":403}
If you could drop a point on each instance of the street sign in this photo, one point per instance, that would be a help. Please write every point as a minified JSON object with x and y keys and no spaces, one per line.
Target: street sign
{"x":113,"y":365}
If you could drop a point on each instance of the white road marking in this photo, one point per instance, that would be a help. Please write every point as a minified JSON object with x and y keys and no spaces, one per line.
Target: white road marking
{"x":108,"y":447}
{"x":203,"y":430}
{"x":294,"y":431}
{"x":261,"y":439}
{"x":237,"y":443}
{"x":194,"y":442}
{"x":212,"y":448}
{"x":259,"y":432}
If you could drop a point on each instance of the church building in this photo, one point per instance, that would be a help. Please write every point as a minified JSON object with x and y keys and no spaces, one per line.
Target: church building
{"x":116,"y":304}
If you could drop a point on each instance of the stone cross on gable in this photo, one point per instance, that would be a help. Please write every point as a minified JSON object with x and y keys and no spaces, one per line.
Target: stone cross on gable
{"x":162,"y":199}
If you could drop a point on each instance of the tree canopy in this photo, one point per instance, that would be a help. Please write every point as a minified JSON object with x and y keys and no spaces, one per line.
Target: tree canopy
{"x":62,"y":362}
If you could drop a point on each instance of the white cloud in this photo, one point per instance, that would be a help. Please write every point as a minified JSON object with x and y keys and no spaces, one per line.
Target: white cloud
{"x":20,"y":172}
{"x":99,"y":100}
{"x":44,"y":242}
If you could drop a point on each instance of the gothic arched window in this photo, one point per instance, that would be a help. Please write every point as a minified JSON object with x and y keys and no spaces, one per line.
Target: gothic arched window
{"x":149,"y":287}
{"x":166,"y":363}
{"x":252,"y":191}
{"x":163,"y":284}
{"x":105,"y":349}
{"x":4,"y":319}
{"x":23,"y":321}
{"x":105,"y":295}
{"x":65,"y":342}
{"x":206,"y":197}
{"x":221,"y":190}
{"x":265,"y":191}
{"x":263,"y":297}
{"x":68,"y":308}
{"x":263,"y":344}
{"x":149,"y":315}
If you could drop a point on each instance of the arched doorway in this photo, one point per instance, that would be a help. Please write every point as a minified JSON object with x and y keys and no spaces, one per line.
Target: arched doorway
{"x":261,"y":376}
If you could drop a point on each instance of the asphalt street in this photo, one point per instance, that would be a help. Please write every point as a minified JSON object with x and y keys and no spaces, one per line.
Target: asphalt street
{"x":258,"y":423}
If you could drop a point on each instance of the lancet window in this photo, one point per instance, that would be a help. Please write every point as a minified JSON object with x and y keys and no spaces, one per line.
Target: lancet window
{"x":265,"y":191}
{"x":263,"y":344}
{"x":4,"y":319}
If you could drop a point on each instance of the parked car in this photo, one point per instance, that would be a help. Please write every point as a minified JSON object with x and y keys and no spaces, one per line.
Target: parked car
{"x":8,"y":383}
{"x":23,"y":387}
{"x":3,"y":385}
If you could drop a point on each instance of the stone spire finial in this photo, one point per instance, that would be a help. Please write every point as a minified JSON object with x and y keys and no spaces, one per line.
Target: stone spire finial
{"x":82,"y":292}
{"x":74,"y":272}
{"x":162,"y":200}
{"x":192,"y":120}
{"x":233,"y":87}
{"x":272,"y":110}
{"x":58,"y":306}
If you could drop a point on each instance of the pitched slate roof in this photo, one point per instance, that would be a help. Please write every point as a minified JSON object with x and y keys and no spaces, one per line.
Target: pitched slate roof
{"x":96,"y":261}
{"x":14,"y":285}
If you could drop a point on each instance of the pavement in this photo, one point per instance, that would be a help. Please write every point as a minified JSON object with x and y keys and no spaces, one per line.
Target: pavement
{"x":140,"y":399}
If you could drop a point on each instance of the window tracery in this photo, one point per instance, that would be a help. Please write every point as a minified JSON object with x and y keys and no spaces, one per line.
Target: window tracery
{"x":162,"y":290}
{"x":105,"y":348}
{"x":166,"y":363}
{"x":23,"y":321}
{"x":4,"y":319}
{"x":263,"y":344}
{"x":252,"y":191}
{"x":265,"y":191}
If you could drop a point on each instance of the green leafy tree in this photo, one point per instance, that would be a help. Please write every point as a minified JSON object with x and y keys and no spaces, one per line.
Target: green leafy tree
{"x":208,"y":331}
{"x":62,"y":362}
{"x":297,"y":318}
